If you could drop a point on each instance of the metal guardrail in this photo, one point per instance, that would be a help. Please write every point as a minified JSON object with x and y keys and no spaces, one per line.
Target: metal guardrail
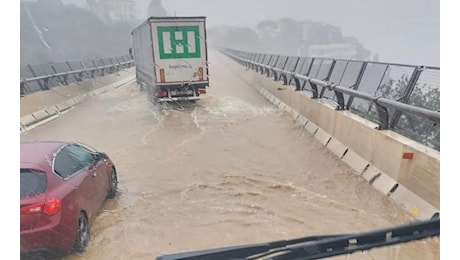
{"x":400,"y":97}
{"x":48,"y":75}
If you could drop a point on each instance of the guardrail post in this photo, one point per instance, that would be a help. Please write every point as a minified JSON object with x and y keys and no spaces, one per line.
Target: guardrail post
{"x":407,"y":93}
{"x":308,"y":73}
{"x":23,"y":89}
{"x":96,"y":68}
{"x":42,"y":87}
{"x":383,"y":115}
{"x":340,"y":100}
{"x":356,"y":85}
{"x":327,"y":77}
{"x":314,"y":90}
{"x":297,"y":84}
{"x":75,"y":76}
{"x":119,"y":64}
{"x":103,"y":67}
{"x":81,"y":74}
{"x":293,"y":72}
{"x":46,"y":83}
{"x":64,"y":77}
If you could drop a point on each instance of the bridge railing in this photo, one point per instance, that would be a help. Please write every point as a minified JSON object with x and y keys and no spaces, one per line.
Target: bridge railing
{"x":45,"y":76}
{"x":400,"y":97}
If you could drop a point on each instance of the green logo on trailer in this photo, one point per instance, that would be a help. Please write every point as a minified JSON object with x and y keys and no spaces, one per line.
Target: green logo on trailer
{"x":179,"y":42}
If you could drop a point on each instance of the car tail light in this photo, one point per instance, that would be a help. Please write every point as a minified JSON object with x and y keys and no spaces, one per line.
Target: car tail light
{"x":31,"y":209}
{"x":50,"y":207}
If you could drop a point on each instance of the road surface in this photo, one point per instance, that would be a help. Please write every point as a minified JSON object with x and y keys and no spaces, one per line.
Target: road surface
{"x":228,"y":170}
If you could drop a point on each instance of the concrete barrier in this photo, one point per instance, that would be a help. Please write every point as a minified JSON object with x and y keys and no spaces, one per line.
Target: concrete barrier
{"x":27,"y":120}
{"x":301,"y":120}
{"x":54,"y":109}
{"x":293,"y":113}
{"x":406,"y":171}
{"x":72,"y":102}
{"x":358,"y":163}
{"x":337,"y":147}
{"x":40,"y":115}
{"x":64,"y":106}
{"x":379,"y":179}
{"x":283,"y":106}
{"x":412,"y":202}
{"x":322,"y":136}
{"x":311,"y":127}
{"x":78,"y":99}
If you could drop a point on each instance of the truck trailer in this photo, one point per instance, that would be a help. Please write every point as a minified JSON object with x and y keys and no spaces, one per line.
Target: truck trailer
{"x":170,"y":57}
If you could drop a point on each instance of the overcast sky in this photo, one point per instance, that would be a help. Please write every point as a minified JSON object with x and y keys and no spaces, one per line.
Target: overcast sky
{"x":402,"y":31}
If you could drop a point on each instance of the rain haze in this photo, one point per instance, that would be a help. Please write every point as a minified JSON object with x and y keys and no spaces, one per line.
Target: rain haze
{"x":170,"y":145}
{"x":398,"y":31}
{"x":405,"y":32}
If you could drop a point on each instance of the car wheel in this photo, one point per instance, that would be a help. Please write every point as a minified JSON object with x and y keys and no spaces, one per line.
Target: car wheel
{"x":113,"y":184}
{"x":82,"y":237}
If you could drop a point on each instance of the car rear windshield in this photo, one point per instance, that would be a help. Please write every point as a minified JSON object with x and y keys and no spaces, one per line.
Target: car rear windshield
{"x":32,"y":182}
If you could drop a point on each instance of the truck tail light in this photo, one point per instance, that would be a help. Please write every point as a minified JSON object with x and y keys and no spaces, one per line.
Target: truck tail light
{"x":161,"y":93}
{"x":202,"y":91}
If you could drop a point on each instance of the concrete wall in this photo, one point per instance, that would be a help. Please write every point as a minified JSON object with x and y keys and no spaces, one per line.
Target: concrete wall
{"x":41,"y":106}
{"x":376,"y":155}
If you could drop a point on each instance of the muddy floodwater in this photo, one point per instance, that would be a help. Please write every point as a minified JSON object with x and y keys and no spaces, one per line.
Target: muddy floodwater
{"x":228,"y":170}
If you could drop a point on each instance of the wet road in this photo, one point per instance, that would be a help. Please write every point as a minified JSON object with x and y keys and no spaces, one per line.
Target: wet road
{"x":228,"y":170}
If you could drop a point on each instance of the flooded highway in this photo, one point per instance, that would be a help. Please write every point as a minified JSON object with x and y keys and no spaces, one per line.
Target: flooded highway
{"x":227,"y":170}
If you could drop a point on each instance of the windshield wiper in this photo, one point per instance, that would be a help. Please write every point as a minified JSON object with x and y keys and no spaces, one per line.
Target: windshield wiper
{"x":316,"y":247}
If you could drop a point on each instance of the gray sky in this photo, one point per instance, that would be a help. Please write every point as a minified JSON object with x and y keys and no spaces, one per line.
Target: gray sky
{"x":402,"y":31}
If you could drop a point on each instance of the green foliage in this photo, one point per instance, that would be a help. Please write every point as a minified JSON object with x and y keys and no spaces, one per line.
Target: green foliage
{"x":422,"y":95}
{"x":393,"y":89}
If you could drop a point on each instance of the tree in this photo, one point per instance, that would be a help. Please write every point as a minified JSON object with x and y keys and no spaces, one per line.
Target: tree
{"x":289,"y":37}
{"x":415,"y":127}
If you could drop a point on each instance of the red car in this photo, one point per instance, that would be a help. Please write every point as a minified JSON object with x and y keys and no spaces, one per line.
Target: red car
{"x":63,"y":186}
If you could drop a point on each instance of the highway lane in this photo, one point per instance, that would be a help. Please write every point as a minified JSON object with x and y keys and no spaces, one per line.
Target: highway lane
{"x":227,"y":170}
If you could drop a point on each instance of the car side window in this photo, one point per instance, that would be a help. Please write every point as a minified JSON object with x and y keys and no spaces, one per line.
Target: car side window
{"x":85,"y":157}
{"x":71,"y":159}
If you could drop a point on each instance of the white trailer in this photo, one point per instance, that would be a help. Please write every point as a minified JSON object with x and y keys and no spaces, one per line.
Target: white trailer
{"x":170,"y":56}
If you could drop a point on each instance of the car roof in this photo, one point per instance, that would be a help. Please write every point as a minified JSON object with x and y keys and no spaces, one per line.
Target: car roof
{"x":39,"y":154}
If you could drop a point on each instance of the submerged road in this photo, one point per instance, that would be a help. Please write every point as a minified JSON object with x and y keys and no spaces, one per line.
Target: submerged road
{"x":228,"y":170}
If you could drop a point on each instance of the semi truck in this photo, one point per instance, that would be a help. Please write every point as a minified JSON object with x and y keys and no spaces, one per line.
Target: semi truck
{"x":170,"y":57}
